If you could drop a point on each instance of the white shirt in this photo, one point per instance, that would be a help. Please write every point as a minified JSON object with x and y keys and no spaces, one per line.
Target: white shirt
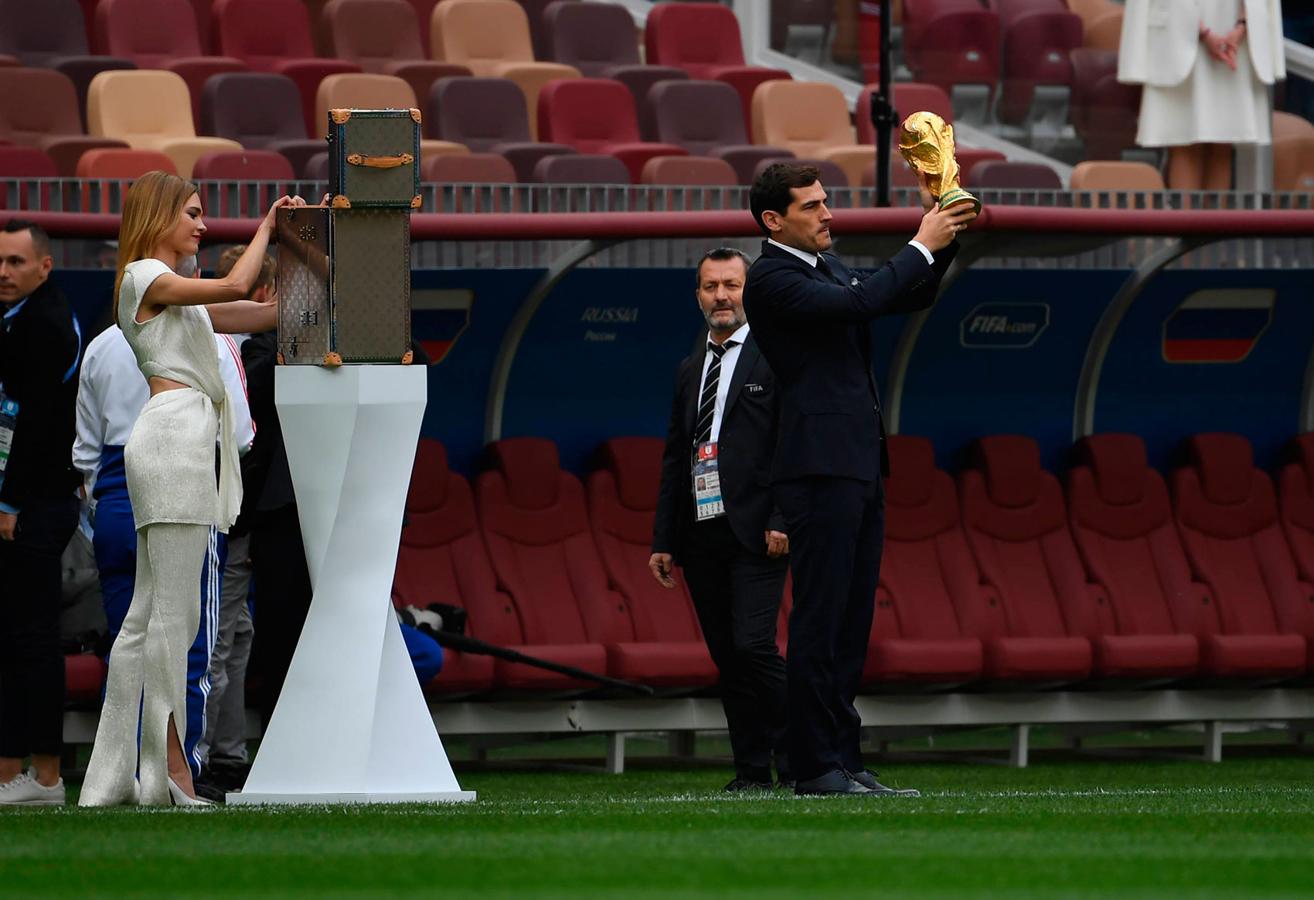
{"x":728,"y":361}
{"x":811,"y":258}
{"x":112,"y":392}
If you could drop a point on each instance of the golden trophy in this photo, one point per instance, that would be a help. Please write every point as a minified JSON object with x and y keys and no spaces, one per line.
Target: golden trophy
{"x":927,"y":142}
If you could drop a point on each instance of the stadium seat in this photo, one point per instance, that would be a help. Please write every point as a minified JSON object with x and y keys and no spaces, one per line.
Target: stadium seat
{"x":492,"y":39}
{"x":1002,"y":174}
{"x":243,"y":165}
{"x":810,"y":119}
{"x":488,"y":115}
{"x":383,"y":38}
{"x":39,"y":108}
{"x":20,"y":164}
{"x":595,"y":38}
{"x":1227,"y":514}
{"x":116,"y":165}
{"x":316,"y":168}
{"x":829,"y":173}
{"x":423,"y":15}
{"x":261,"y":111}
{"x":149,"y":110}
{"x":1105,"y":175}
{"x":539,"y":31}
{"x":703,"y":39}
{"x":580,"y":168}
{"x":160,"y":34}
{"x":1038,"y":36}
{"x":1296,"y":503}
{"x":84,"y":674}
{"x":361,"y":91}
{"x":473,"y":168}
{"x":954,"y":43}
{"x":705,"y":118}
{"x":927,"y":577}
{"x":668,"y":647}
{"x":442,"y":559}
{"x":641,"y":80}
{"x":688,"y":170}
{"x":596,"y":115}
{"x":275,"y":36}
{"x":1123,"y":525}
{"x":534,"y":521}
{"x":1104,"y":111}
{"x":1017,"y":527}
{"x":1293,"y":150}
{"x":909,"y":97}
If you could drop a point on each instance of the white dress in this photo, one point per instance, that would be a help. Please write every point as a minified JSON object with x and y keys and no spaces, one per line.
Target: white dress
{"x":1213,"y":105}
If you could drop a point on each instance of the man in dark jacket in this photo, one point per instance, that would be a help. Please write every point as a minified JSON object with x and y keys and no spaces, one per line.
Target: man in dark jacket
{"x":40,"y":345}
{"x":714,"y":517}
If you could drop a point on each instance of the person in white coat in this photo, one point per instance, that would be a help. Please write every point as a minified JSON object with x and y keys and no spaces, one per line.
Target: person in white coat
{"x":1206,"y":66}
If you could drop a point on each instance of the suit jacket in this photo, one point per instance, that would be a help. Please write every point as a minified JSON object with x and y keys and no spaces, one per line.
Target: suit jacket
{"x":1161,"y":39}
{"x":748,"y":425}
{"x":814,"y":333}
{"x":37,"y":350}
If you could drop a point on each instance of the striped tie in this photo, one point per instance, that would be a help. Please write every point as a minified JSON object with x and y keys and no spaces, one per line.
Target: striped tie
{"x":707,"y":403}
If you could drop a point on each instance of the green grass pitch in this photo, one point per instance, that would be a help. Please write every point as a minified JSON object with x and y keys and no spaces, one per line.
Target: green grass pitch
{"x":1244,"y":828}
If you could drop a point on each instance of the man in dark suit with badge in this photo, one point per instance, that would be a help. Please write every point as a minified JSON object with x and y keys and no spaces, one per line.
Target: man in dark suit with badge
{"x":810,"y":316}
{"x":715,"y":518}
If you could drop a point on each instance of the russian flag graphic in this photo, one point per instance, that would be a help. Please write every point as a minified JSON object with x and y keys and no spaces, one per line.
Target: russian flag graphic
{"x":438,"y":318}
{"x":1217,"y":326}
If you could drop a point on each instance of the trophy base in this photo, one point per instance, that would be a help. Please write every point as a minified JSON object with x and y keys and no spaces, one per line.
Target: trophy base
{"x":958,"y":196}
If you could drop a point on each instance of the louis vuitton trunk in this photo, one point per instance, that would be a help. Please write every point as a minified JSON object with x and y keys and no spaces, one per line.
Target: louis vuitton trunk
{"x":374,"y":158}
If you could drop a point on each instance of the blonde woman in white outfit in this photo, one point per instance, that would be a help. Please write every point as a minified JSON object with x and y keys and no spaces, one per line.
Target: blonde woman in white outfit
{"x":169,"y":322}
{"x":1206,"y":66}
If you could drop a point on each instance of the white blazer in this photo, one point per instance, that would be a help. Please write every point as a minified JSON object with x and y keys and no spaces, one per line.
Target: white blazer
{"x":1160,"y":40}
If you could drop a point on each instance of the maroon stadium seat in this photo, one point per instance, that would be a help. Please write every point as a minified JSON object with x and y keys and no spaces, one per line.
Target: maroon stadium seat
{"x":1038,"y":36}
{"x":39,"y":108}
{"x":688,"y":170}
{"x":1227,"y":514}
{"x":1123,"y":525}
{"x":261,"y":111}
{"x":1105,"y":111}
{"x":949,"y":42}
{"x":593,"y":37}
{"x":160,"y":34}
{"x":540,"y":32}
{"x":929,"y":582}
{"x":535,"y":524}
{"x":1296,"y":503}
{"x":488,"y":115}
{"x":705,"y":118}
{"x":468,"y":168}
{"x":243,"y":165}
{"x":274,"y":36}
{"x":832,"y":176}
{"x":383,"y":37}
{"x":1017,"y":528}
{"x":596,"y":115}
{"x":703,"y":39}
{"x":1005,"y":175}
{"x":580,"y":168}
{"x":668,"y":647}
{"x":20,"y":164}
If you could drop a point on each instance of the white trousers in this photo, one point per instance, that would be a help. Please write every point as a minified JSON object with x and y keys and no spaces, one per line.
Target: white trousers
{"x":148,"y":669}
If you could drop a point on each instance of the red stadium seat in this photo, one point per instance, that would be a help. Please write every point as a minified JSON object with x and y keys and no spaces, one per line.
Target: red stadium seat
{"x":535,"y":524}
{"x":442,"y":560}
{"x":927,"y":576}
{"x":1006,"y":175}
{"x":84,"y":674}
{"x":274,"y":36}
{"x":668,"y":647}
{"x":703,"y":39}
{"x":261,"y":111}
{"x":1038,"y":36}
{"x":468,"y":168}
{"x":1227,"y":514}
{"x":423,"y":13}
{"x":1296,"y":503}
{"x":952,"y":42}
{"x":243,"y":165}
{"x":1105,"y":111}
{"x":116,"y":165}
{"x":688,"y":170}
{"x":160,"y":34}
{"x":596,"y":115}
{"x":39,"y":108}
{"x":705,"y":118}
{"x":1123,"y":526}
{"x":20,"y":164}
{"x":488,"y":115}
{"x":1017,"y":528}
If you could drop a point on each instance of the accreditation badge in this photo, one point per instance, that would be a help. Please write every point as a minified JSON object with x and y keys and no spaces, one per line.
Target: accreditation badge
{"x":706,"y":483}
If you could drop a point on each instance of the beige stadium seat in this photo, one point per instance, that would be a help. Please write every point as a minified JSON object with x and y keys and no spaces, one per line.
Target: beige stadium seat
{"x":1293,"y":152}
{"x":1097,"y":175}
{"x":358,"y":91}
{"x":491,"y":38}
{"x":149,"y":110}
{"x":811,"y":120}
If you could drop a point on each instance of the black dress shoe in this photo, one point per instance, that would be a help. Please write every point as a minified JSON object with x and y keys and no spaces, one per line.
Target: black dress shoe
{"x":836,"y":781}
{"x":739,"y":783}
{"x":867,"y":778}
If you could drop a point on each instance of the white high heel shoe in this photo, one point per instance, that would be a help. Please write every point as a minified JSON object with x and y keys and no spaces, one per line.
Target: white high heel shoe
{"x":182,"y":798}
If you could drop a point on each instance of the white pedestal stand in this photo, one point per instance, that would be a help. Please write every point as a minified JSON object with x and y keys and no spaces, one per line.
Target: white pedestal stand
{"x":351,"y":725}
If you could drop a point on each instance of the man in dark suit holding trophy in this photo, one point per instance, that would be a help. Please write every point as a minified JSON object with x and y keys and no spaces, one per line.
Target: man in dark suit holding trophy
{"x":811,"y":317}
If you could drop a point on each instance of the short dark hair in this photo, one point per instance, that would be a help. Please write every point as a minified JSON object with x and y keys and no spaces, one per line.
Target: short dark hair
{"x":720,"y":254}
{"x":40,"y":240}
{"x":771,"y":189}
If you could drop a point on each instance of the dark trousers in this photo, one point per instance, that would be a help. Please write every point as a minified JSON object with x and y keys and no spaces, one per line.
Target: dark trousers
{"x":281,"y":587}
{"x":737,"y":596}
{"x":836,"y":530}
{"x":31,"y":661}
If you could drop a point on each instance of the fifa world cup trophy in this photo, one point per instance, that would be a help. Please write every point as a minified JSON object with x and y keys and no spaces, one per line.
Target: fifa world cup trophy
{"x":927,"y":143}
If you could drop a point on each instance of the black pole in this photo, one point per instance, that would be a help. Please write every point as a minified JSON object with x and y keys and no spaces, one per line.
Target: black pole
{"x":474,"y":645}
{"x":883,"y":113}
